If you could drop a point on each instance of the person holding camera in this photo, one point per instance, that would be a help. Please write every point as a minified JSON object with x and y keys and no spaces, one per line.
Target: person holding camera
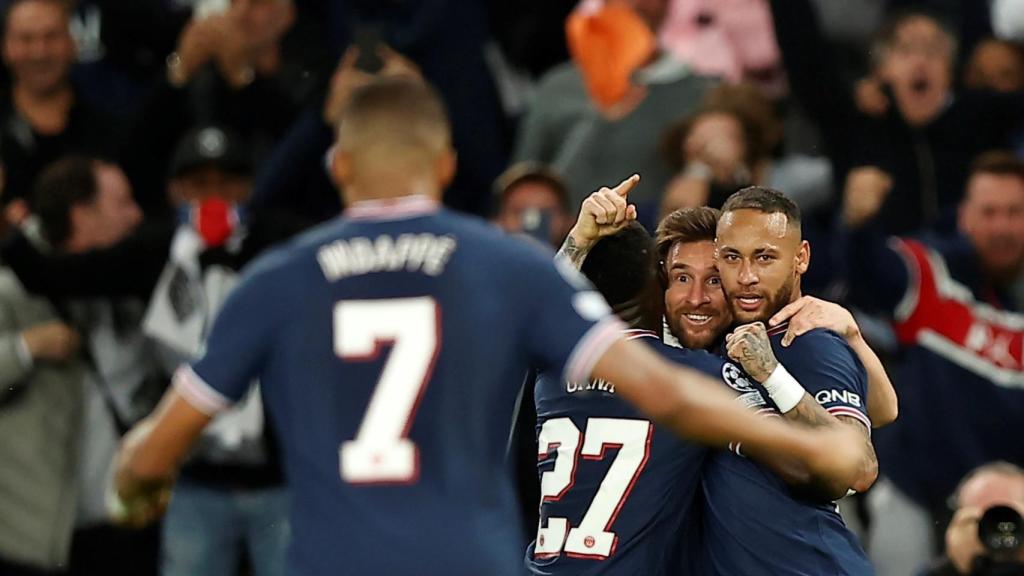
{"x":984,"y":538}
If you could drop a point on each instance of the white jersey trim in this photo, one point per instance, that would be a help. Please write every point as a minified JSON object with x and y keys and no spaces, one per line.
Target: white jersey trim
{"x":1004,"y":377}
{"x":852,"y":413}
{"x":594,"y":343}
{"x":198,"y":393}
{"x":393,"y":208}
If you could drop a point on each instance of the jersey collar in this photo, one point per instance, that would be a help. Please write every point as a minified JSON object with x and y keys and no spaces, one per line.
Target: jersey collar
{"x":393,"y":208}
{"x":780,"y":329}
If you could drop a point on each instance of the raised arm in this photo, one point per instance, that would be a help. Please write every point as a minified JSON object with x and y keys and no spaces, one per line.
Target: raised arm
{"x":811,"y":68}
{"x":603,"y":213}
{"x":877,"y":275}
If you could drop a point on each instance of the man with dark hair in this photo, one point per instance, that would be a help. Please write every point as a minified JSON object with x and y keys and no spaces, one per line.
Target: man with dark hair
{"x":43,"y":118}
{"x":83,"y":204}
{"x":761,"y":257}
{"x":391,"y":457}
{"x":959,"y":329}
{"x":533,"y":200}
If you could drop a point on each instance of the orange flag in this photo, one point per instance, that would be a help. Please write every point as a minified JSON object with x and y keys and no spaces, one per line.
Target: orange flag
{"x":608,"y":44}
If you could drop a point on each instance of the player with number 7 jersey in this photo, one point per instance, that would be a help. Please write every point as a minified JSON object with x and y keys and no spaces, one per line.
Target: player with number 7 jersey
{"x":390,"y":345}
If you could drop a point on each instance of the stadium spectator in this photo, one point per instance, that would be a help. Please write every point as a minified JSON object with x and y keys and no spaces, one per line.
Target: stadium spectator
{"x":230,"y":493}
{"x":730,"y":39}
{"x":121,"y":47}
{"x":449,"y":41}
{"x":224,"y":71}
{"x":951,"y":309}
{"x":729,"y":143}
{"x":595,"y":118}
{"x":40,"y":422}
{"x":995,"y":65}
{"x":926,"y":139}
{"x":295,"y":178}
{"x":82,"y":204}
{"x":988,"y":486}
{"x":534,"y":201}
{"x":43,"y":116}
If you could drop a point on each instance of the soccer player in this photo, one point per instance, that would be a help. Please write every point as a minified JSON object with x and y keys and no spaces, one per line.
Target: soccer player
{"x":699,"y":316}
{"x":616,"y":489}
{"x":749,"y":510}
{"x":389,"y":345}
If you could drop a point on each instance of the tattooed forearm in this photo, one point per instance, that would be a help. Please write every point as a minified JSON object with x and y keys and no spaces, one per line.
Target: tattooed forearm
{"x":572,"y":252}
{"x":756,"y":356}
{"x":869,"y":465}
{"x":809,"y":412}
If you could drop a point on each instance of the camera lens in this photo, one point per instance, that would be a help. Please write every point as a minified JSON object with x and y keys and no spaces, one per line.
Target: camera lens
{"x":1000,"y":529}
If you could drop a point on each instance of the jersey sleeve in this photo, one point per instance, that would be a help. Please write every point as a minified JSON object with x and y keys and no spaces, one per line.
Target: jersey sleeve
{"x":236,"y":348}
{"x":570,"y":325}
{"x":830,"y":372}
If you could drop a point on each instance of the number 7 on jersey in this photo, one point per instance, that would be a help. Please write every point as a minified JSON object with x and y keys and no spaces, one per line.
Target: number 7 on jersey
{"x":381,"y":452}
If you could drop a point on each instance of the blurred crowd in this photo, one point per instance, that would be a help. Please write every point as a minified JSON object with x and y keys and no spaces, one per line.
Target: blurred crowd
{"x":150,"y":149}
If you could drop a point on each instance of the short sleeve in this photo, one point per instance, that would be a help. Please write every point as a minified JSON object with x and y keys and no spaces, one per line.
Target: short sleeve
{"x":831,"y":373}
{"x":236,"y":348}
{"x":570,"y":325}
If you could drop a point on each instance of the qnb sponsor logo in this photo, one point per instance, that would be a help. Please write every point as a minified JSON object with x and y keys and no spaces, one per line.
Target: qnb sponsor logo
{"x":844,"y":396}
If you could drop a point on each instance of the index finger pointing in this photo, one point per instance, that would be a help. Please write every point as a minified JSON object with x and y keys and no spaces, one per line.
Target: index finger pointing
{"x":627,"y":185}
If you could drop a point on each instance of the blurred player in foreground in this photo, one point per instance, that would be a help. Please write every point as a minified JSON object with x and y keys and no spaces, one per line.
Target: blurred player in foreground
{"x":390,"y":345}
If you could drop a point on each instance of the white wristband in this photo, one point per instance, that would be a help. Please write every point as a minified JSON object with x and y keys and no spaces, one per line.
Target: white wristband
{"x":784,"y":390}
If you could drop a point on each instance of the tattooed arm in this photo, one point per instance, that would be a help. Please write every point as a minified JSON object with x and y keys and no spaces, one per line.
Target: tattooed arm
{"x":574,"y":251}
{"x":809,"y":313}
{"x":603,"y":213}
{"x":749,"y":345}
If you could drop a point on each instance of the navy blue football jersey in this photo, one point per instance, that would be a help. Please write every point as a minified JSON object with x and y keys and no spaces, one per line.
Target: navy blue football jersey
{"x":390,"y":345}
{"x":752,"y":523}
{"x":616,"y":490}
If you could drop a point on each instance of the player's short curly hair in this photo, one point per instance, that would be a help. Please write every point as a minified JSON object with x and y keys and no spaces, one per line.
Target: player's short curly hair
{"x":620,"y":266}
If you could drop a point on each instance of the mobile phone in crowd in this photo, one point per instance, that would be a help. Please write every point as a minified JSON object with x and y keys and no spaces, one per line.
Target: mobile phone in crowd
{"x":537,"y":224}
{"x":368,"y":38}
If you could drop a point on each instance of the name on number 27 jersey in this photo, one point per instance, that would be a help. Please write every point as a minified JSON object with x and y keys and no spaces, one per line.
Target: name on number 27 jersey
{"x":616,"y":490}
{"x":390,"y":345}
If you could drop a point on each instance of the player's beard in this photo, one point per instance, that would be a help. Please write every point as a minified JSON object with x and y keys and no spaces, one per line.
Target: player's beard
{"x":772,"y":304}
{"x":704,"y":338}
